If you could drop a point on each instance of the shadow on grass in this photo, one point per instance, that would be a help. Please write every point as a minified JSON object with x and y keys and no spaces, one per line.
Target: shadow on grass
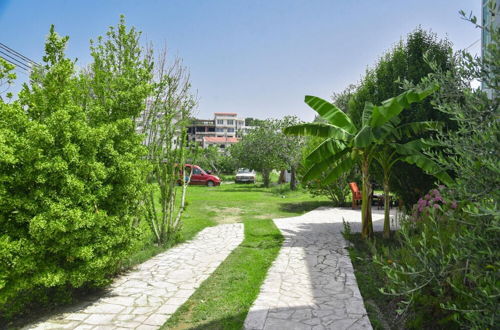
{"x":301,"y":207}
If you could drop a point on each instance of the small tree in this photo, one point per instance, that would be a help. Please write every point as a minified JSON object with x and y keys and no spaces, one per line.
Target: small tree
{"x":346,"y":144}
{"x":261,"y":149}
{"x":164,"y":123}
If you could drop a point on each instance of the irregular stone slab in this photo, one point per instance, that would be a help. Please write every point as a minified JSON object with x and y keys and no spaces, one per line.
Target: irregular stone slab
{"x":147,"y":296}
{"x":311,"y":284}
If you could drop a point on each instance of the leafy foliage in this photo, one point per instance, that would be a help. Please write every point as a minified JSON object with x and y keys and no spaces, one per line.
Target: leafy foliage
{"x":344,"y":144}
{"x":405,"y":62}
{"x":266,"y":148}
{"x":338,"y":190}
{"x":72,"y":170}
{"x":448,"y":263}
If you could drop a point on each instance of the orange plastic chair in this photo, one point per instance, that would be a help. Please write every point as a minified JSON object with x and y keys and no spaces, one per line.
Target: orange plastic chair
{"x":356,"y":194}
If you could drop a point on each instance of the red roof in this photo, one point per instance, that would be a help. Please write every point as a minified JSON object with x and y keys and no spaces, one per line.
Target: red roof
{"x":220,"y":139}
{"x":226,"y":113}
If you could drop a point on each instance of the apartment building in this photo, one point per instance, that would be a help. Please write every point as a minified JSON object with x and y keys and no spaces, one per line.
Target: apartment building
{"x":227,"y":124}
{"x":225,"y":129}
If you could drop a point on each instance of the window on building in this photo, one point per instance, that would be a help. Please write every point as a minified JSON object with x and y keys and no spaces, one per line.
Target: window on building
{"x":230,"y":122}
{"x":222,"y":146}
{"x":230,"y":130}
{"x":218,"y":129}
{"x":220,"y":121}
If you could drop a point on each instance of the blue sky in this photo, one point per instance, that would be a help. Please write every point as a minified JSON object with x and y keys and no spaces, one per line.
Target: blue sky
{"x":254,"y":57}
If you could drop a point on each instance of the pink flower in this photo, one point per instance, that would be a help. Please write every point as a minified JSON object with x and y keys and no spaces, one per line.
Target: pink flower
{"x":427,"y":197}
{"x":438,"y":199}
{"x":436,"y":206}
{"x":454,"y":205}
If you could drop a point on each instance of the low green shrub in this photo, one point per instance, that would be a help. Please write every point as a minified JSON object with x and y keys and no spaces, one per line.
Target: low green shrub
{"x":446,"y":266}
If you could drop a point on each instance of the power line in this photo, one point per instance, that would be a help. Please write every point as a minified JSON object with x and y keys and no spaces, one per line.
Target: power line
{"x":472,"y":44}
{"x":18,"y":63}
{"x":10,"y":61}
{"x":15,"y":53}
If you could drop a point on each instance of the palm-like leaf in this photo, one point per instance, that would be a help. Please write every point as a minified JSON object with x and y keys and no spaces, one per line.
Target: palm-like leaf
{"x":342,"y":166}
{"x":320,"y":167}
{"x":411,"y":153}
{"x":393,"y":106}
{"x":429,"y":167}
{"x":331,"y":113}
{"x":364,"y":137}
{"x":318,"y":130}
{"x":325,"y":150}
{"x":415,"y":128}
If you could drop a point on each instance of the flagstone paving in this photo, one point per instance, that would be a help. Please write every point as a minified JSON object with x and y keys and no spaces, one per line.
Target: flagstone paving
{"x":311,"y":284}
{"x":146,"y":297}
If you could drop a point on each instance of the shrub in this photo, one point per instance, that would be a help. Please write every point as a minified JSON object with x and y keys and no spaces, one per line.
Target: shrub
{"x":449,"y":264}
{"x":70,"y":185}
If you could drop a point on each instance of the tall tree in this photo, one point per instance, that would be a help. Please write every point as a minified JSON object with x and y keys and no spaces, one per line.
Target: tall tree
{"x":406,"y":61}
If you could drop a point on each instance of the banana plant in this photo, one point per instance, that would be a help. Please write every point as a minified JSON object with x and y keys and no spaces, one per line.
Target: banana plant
{"x":391,"y":153}
{"x":345,"y":144}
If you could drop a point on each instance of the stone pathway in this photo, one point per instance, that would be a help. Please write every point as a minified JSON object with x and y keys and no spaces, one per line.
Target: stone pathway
{"x":147,"y":296}
{"x":311,"y":285}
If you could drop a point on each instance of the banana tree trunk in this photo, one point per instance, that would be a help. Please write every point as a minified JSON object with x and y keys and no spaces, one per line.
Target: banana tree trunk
{"x":387,"y":201}
{"x":366,"y":207}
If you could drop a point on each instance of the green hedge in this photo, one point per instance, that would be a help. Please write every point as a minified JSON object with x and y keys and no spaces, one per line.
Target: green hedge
{"x":71,"y":179}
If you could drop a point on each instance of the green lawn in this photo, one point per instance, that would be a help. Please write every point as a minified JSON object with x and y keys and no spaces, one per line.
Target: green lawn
{"x":223,"y":300}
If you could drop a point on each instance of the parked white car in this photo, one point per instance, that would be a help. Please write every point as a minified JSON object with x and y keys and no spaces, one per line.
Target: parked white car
{"x":244,"y":175}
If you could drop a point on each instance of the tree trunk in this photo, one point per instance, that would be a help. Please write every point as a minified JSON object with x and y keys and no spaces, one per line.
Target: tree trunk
{"x":387,"y":200}
{"x":366,"y":207}
{"x":293,"y":179}
{"x":265,"y":177}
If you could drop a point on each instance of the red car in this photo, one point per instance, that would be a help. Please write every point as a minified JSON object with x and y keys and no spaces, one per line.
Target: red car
{"x":200,"y":177}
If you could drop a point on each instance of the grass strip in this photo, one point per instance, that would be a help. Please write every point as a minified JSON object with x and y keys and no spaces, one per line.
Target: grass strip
{"x":223,"y":300}
{"x":381,"y":308}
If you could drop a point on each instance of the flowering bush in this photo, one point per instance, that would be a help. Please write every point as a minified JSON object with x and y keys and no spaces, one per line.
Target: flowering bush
{"x":434,"y":200}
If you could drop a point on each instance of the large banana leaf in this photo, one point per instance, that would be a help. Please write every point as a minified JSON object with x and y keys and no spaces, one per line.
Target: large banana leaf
{"x":393,"y":106}
{"x":429,"y":167}
{"x":411,"y":153}
{"x":317,"y":169}
{"x":415,"y":128}
{"x":331,"y":113}
{"x":364,"y":137}
{"x":320,"y":167}
{"x":325,"y":150}
{"x":317,"y":129}
{"x":367,"y":114}
{"x":410,"y":148}
{"x":341,"y":167}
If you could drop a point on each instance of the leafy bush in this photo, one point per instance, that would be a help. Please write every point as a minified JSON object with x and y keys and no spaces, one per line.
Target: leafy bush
{"x":449,"y":264}
{"x":71,"y":180}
